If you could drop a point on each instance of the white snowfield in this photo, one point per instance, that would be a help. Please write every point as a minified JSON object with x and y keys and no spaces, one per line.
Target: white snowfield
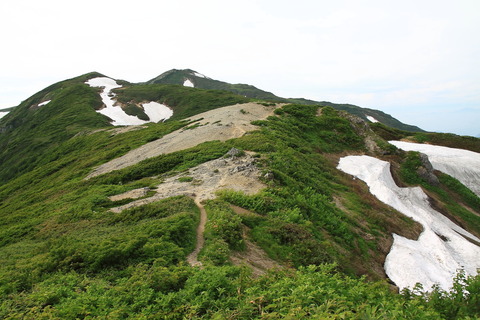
{"x":443,"y":247}
{"x":3,"y":114}
{"x":372,"y":119}
{"x":188,"y":83}
{"x":44,"y":103}
{"x":155,"y":111}
{"x":461,"y":164}
{"x":200,"y":75}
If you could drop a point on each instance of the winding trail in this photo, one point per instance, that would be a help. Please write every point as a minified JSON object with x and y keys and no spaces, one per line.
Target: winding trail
{"x":192,"y":258}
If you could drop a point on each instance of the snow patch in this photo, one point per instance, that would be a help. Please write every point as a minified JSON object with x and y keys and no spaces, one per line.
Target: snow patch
{"x":157,"y":112}
{"x":188,"y":83}
{"x":3,"y":114}
{"x":442,"y":248}
{"x":116,"y":113}
{"x":44,"y":103}
{"x":461,"y":164}
{"x":200,"y":75}
{"x":372,"y":119}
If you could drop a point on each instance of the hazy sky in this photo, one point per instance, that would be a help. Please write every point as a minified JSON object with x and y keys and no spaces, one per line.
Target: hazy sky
{"x":416,"y":60}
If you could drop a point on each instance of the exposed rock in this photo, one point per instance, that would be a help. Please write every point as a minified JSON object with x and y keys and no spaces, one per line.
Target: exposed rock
{"x":362,"y":128}
{"x":426,"y":170}
{"x":239,"y":174}
{"x":234,"y":152}
{"x":268,"y":176}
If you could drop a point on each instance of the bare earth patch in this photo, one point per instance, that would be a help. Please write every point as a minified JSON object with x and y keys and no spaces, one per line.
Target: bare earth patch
{"x":219,"y":124}
{"x":239,"y":174}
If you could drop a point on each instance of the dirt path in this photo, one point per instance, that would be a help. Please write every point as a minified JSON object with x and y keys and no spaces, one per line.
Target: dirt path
{"x":234,"y":173}
{"x":192,"y":258}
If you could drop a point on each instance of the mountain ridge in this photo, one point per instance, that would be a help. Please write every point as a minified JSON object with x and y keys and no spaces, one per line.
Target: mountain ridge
{"x":179,"y":77}
{"x":119,"y":244}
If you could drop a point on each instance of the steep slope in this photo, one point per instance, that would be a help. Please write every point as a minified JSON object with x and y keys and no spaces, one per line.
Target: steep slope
{"x":442,"y":249}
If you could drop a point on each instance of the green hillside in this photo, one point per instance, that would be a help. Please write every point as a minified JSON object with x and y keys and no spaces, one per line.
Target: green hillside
{"x":175,"y":76}
{"x":184,"y":101}
{"x":65,"y":255}
{"x":30,"y":131}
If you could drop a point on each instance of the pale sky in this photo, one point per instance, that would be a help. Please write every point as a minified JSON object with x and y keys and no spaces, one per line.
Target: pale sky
{"x":416,"y":60}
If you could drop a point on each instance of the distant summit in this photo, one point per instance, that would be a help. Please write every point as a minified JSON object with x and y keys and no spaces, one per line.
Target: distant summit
{"x":189,"y":77}
{"x":192,"y":78}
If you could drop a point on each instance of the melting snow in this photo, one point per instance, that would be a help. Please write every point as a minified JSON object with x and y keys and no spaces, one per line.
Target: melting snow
{"x":442,"y":248}
{"x":155,"y":111}
{"x":116,"y":113}
{"x":188,"y":83}
{"x":44,"y":103}
{"x":3,"y":114}
{"x":199,"y":75}
{"x":461,"y":164}
{"x":372,"y":119}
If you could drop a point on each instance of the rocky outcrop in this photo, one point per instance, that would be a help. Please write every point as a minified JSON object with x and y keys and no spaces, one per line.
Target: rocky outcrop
{"x":426,"y":170}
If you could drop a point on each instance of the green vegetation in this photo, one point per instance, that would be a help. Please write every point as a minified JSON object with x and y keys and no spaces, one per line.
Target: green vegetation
{"x":223,"y":233}
{"x":65,"y":255}
{"x":134,"y":110}
{"x":184,"y":101}
{"x":158,"y":292}
{"x":32,"y":132}
{"x":453,"y":194}
{"x":179,"y":76}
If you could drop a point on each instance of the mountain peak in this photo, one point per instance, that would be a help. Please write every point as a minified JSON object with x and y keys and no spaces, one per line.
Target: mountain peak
{"x":178,"y":76}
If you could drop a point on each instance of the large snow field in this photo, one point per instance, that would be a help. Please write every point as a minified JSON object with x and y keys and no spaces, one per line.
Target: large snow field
{"x":461,"y":164}
{"x":3,"y":114}
{"x":154,"y":110}
{"x":443,"y":247}
{"x":372,"y":119}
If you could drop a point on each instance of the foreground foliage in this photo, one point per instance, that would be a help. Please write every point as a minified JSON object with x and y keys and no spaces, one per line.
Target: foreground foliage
{"x":180,"y":292}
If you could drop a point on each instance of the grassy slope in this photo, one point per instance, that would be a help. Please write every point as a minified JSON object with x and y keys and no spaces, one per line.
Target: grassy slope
{"x":65,"y":256}
{"x":184,"y":101}
{"x":30,"y":132}
{"x":179,"y":76}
